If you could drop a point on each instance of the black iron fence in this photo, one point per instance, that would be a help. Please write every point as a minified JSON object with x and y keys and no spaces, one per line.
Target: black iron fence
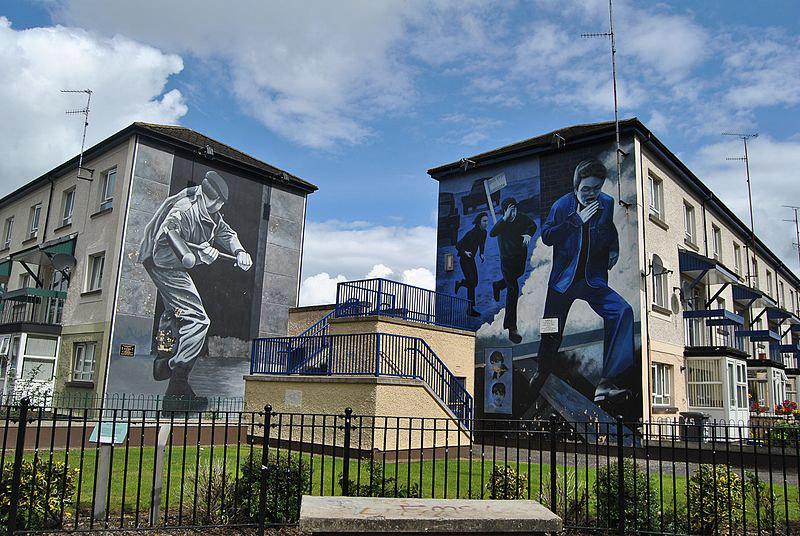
{"x":117,"y":471}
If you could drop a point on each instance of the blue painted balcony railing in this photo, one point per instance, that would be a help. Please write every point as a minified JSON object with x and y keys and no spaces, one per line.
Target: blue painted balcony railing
{"x":398,"y":300}
{"x":366,"y":354}
{"x":713,"y":328}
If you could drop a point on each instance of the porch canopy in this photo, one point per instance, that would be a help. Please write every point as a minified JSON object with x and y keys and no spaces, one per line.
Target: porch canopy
{"x":704,"y":269}
{"x":746,"y":297}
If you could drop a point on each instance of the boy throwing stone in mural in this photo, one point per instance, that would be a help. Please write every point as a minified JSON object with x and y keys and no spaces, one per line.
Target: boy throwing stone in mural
{"x":185,"y":231}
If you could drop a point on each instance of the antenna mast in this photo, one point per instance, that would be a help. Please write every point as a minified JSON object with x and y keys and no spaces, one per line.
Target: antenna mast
{"x":611,"y":37}
{"x":85,"y":113}
{"x":796,"y":228}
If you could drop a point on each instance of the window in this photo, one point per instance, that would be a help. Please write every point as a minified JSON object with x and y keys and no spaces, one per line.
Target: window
{"x":656,"y":196}
{"x":704,"y":383}
{"x":781,"y":295}
{"x":36,"y":213}
{"x":7,"y":232}
{"x":67,"y":206}
{"x":96,"y":263}
{"x":662,"y":384}
{"x":24,"y":280}
{"x":659,"y":282}
{"x":754,"y":274}
{"x":84,"y":361}
{"x":741,"y":386}
{"x":688,"y":222}
{"x":107,"y":195}
{"x":769,"y":283}
{"x":716,"y":242}
{"x":737,"y":258}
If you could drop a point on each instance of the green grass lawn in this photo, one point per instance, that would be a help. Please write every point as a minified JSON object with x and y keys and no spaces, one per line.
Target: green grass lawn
{"x":132,"y":479}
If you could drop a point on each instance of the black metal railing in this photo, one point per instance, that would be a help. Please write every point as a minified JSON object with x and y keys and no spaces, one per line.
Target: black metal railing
{"x":397,"y":300}
{"x":32,"y":305}
{"x":221,"y":469}
{"x":713,"y":328}
{"x":367,"y":354}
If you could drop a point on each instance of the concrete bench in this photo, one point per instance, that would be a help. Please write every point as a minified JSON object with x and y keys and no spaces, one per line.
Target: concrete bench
{"x":367,"y":515}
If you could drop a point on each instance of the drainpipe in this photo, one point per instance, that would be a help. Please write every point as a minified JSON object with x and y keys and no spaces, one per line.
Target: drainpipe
{"x":645,"y":317}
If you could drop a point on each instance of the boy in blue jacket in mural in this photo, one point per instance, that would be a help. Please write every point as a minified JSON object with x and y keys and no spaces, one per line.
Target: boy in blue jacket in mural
{"x":580,"y":228}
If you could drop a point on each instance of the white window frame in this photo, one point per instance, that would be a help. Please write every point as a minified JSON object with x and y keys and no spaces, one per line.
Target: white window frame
{"x":704,"y":383}
{"x":84,"y":353}
{"x":716,"y":242}
{"x":661,"y":376}
{"x":737,"y":258}
{"x":108,"y":187}
{"x":656,"y":195}
{"x":689,"y":222}
{"x":94,"y":280}
{"x":34,"y":220}
{"x":8,"y":232}
{"x":67,"y":206}
{"x":660,"y":283}
{"x":769,"y":283}
{"x":754,"y":274}
{"x":742,"y":400}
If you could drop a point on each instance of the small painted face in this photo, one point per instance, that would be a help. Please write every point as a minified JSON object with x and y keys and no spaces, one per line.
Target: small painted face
{"x":484,"y":223}
{"x":589,"y":190}
{"x":498,"y":398}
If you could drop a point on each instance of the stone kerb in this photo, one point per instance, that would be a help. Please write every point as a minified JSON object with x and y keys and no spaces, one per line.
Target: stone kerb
{"x":369,"y":515}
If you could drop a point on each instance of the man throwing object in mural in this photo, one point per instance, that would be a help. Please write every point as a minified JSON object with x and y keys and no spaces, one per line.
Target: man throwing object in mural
{"x":514,"y":232}
{"x":580,"y":228}
{"x":183,"y":232}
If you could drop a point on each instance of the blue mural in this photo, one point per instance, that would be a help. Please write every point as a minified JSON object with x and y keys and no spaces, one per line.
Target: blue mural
{"x":548,"y":256}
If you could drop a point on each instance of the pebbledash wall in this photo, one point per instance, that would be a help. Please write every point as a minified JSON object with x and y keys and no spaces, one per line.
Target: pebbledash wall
{"x":537,"y":184}
{"x":240,"y":305}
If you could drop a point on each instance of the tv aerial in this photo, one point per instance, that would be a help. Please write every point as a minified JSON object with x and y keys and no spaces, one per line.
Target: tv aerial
{"x":85,"y":112}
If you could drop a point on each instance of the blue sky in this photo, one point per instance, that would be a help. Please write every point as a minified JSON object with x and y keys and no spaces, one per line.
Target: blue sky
{"x":362,"y":97}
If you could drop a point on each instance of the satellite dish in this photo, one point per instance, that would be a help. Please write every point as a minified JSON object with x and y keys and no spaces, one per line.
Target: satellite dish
{"x":64,"y":263}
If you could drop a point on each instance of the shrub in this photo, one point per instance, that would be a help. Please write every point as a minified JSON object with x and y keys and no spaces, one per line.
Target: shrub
{"x":213,"y":487}
{"x":641,"y":506}
{"x":45,"y":490}
{"x":764,"y":501}
{"x":376,"y":484}
{"x":288,"y":476}
{"x":571,"y":502}
{"x":784,"y":434}
{"x":715,"y":494}
{"x":507,"y":483}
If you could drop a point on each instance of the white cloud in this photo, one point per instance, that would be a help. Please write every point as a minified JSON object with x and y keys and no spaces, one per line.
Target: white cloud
{"x":773,"y":184}
{"x":319,"y":289}
{"x":355,"y":250}
{"x":128,"y":80}
{"x":314,"y":72}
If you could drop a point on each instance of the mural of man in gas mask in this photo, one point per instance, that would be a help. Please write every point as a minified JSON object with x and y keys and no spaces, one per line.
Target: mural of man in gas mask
{"x":514,"y":232}
{"x":581,"y":230}
{"x":184,"y":231}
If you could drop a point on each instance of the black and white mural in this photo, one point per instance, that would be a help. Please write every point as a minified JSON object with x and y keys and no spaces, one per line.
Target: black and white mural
{"x":210,"y":261}
{"x":547,"y":252}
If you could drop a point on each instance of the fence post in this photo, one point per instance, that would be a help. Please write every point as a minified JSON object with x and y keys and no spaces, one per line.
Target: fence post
{"x":553,"y":461}
{"x":17,"y":470}
{"x":262,"y":497}
{"x":348,"y":416}
{"x":621,"y":475}
{"x":377,"y":354}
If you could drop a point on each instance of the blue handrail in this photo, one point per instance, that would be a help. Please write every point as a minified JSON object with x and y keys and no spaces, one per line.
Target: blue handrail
{"x":369,"y":297}
{"x":372,"y":354}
